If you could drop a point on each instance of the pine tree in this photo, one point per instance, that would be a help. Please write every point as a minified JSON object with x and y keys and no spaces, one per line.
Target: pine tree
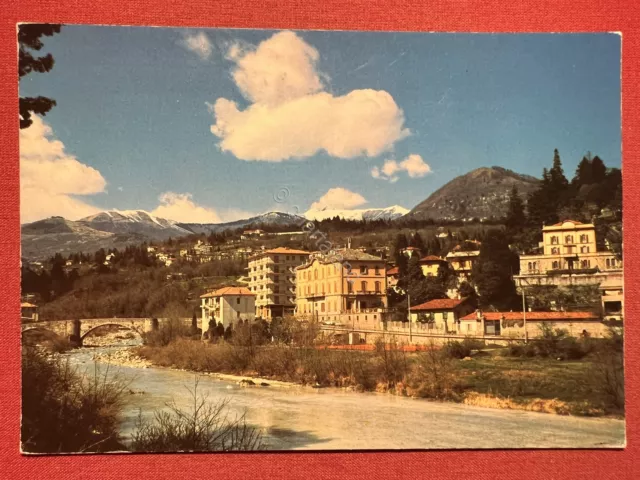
{"x":598,"y":169}
{"x":416,"y":242}
{"x":493,"y":272}
{"x":584,"y":175}
{"x":29,"y":41}
{"x":515,"y":219}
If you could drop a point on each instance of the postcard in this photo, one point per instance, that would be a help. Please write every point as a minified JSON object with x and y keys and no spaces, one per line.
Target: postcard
{"x":241,"y":240}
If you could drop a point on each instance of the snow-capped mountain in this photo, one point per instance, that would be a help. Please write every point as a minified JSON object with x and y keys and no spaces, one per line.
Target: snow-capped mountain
{"x":269,"y":218}
{"x":388,"y":213}
{"x":138,"y":222}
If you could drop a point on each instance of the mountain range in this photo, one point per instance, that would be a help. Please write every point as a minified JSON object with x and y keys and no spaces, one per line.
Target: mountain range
{"x":389,"y":213}
{"x":481,"y":193}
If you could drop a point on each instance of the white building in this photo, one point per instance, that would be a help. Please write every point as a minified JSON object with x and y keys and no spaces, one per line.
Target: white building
{"x":227,"y":305}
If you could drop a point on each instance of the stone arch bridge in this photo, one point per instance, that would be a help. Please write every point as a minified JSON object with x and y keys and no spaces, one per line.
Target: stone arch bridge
{"x":78,"y":330}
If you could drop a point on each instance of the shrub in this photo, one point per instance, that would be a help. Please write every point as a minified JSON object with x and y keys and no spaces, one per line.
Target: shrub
{"x":393,"y":361}
{"x":434,"y":375}
{"x":204,"y":428}
{"x":65,"y":411}
{"x":168,"y":331}
{"x":456,"y":349}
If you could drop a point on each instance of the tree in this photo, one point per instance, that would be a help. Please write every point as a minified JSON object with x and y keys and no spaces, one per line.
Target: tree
{"x":598,"y":169}
{"x":584,"y":173}
{"x":420,"y":288}
{"x":29,"y":40}
{"x":493,"y":272}
{"x":416,"y":242}
{"x":515,"y":219}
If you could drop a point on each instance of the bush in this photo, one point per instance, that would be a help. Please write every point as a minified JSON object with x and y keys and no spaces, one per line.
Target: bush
{"x":168,"y":331}
{"x":434,"y":376}
{"x":456,"y":349}
{"x":393,"y":361}
{"x":64,"y":411}
{"x":206,"y":427}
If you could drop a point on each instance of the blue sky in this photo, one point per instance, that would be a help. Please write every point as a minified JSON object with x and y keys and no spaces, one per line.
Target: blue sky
{"x":135,"y":108}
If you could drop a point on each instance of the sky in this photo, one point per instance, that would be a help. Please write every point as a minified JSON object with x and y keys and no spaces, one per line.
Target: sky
{"x":213,"y":125}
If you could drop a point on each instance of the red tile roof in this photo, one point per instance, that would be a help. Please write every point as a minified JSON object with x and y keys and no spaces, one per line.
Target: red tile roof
{"x":439,"y":304}
{"x":432,"y":258}
{"x":559,"y":224}
{"x":287,"y":251}
{"x":228,"y":291}
{"x":535,"y":316}
{"x":393,"y":271}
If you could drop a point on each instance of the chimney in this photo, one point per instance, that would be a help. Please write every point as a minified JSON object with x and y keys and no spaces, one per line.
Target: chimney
{"x":478,"y":314}
{"x":349,"y":242}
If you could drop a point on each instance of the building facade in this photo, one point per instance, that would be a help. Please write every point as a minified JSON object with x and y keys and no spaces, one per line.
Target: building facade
{"x":272,"y":279}
{"x":442,"y":315}
{"x":334,"y":286}
{"x":431,"y":264}
{"x":570,"y":258}
{"x":227,"y":305}
{"x":512,"y":324}
{"x":462,"y":262}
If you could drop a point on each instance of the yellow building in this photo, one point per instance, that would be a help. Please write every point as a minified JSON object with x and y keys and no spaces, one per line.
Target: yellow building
{"x":570,"y":257}
{"x":462,"y":262}
{"x":339,"y":283}
{"x":431,"y":264}
{"x":569,"y":246}
{"x":272,"y":278}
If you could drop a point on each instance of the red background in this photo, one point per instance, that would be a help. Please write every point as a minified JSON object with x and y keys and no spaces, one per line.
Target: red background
{"x":438,"y":15}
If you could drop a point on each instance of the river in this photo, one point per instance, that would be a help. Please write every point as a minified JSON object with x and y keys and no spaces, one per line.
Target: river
{"x":303,"y":418}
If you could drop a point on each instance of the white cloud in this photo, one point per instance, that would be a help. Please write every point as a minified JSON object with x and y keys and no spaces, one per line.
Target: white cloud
{"x":339,"y":198}
{"x":198,"y":43}
{"x":414,"y":165}
{"x":291,"y":114}
{"x":181,"y":208}
{"x":50,"y":178}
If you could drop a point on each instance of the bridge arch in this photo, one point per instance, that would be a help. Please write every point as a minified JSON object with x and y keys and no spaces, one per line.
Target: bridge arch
{"x":51,"y":334}
{"x":121,"y":326}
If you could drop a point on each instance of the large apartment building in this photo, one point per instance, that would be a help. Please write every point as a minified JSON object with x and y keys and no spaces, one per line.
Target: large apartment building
{"x":570,"y":257}
{"x":272,"y":278}
{"x":341,"y":283}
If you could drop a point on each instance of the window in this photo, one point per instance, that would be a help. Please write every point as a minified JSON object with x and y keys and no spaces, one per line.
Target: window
{"x":584,"y":249}
{"x":349,"y":286}
{"x":322,"y":307}
{"x":568,"y":239}
{"x":555,"y":264}
{"x":584,"y":238}
{"x":364,"y":270}
{"x":276,"y":258}
{"x":554,"y":240}
{"x":377,"y":270}
{"x":238,"y":301}
{"x":377,"y":287}
{"x":445,"y":315}
{"x":363,"y":286}
{"x":555,"y":251}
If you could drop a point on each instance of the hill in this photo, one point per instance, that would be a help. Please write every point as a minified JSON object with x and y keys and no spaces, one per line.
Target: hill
{"x":482,"y":193}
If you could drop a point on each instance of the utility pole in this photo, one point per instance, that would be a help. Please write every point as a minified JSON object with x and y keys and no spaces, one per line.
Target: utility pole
{"x":409,"y":314}
{"x":524,"y":315}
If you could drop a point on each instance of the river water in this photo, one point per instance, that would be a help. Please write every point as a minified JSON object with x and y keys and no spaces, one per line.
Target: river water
{"x":303,"y":418}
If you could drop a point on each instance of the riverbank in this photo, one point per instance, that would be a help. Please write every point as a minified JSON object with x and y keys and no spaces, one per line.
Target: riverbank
{"x":483,"y":379}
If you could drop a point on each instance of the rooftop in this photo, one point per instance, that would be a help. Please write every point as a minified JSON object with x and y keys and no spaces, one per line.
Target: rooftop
{"x":228,"y":291}
{"x":432,"y":258}
{"x":535,"y":316}
{"x":439,"y":304}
